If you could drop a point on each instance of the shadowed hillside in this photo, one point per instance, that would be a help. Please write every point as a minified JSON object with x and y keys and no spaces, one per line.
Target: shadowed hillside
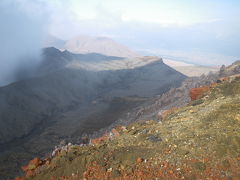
{"x":62,"y":102}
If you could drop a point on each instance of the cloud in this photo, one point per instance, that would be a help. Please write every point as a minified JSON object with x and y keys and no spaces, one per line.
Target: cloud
{"x":179,"y":25}
{"x":22,"y":33}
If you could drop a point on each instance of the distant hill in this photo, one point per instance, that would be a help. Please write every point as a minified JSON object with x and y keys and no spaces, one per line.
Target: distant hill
{"x":87,"y":44}
{"x":189,"y":69}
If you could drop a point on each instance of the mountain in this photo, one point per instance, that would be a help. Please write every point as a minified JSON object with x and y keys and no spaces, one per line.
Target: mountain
{"x":54,"y":60}
{"x":198,"y":139}
{"x":64,"y":101}
{"x":87,"y":44}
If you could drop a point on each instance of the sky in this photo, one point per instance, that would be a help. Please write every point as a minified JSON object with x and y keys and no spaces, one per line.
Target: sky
{"x":201,"y":26}
{"x":204,"y":32}
{"x":21,"y":37}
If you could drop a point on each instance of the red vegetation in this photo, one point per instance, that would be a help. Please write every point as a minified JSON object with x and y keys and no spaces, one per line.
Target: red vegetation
{"x":197,"y":93}
{"x":100,"y":139}
{"x":190,"y":169}
{"x":29,"y":169}
{"x":32,"y":165}
{"x":18,"y":178}
{"x":115,"y":132}
{"x":168,"y":112}
{"x":105,"y":137}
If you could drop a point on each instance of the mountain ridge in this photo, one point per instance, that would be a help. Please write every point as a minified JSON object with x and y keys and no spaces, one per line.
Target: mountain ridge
{"x":60,"y":103}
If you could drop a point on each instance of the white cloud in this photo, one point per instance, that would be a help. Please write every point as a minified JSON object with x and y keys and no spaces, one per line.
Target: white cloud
{"x":21,"y":34}
{"x":171,"y":24}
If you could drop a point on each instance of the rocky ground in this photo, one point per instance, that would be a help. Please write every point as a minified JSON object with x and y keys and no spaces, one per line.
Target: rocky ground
{"x":200,"y":140}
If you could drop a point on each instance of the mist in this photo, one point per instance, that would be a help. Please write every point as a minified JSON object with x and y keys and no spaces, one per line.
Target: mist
{"x":200,"y":32}
{"x":21,"y":38}
{"x":204,"y":33}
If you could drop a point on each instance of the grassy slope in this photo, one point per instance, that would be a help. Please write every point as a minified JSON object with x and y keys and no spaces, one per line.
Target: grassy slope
{"x":197,"y":141}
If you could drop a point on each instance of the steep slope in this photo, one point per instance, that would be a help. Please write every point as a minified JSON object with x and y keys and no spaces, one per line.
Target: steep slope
{"x":34,"y":99}
{"x":64,"y":102}
{"x":197,"y":141}
{"x":101,"y":45}
{"x":177,"y":97}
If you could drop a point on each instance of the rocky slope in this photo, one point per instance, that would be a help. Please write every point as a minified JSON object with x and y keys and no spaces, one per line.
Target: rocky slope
{"x":198,"y":140}
{"x":63,"y":102}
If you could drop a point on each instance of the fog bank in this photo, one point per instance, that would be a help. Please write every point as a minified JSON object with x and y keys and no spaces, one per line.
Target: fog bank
{"x":21,"y":37}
